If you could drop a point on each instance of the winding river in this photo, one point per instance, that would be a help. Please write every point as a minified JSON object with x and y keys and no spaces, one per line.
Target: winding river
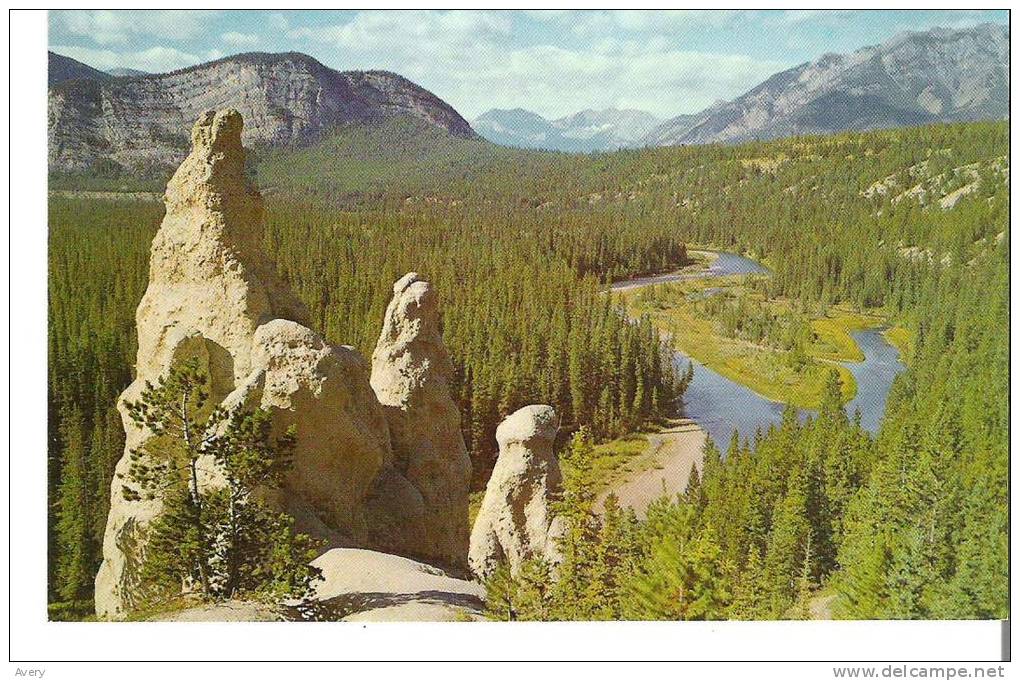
{"x":720,"y":405}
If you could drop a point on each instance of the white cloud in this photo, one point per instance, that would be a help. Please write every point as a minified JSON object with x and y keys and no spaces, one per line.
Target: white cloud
{"x":157,"y":59}
{"x":592,"y":23}
{"x":546,"y":14}
{"x":237,"y":39}
{"x":790,"y":17}
{"x":477,"y":60}
{"x":107,"y":27}
{"x":277,"y":21}
{"x":658,"y":20}
{"x":370,"y":30}
{"x":471,"y":60}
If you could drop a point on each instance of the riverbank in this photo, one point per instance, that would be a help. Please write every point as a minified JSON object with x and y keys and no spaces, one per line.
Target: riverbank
{"x":700,"y":265}
{"x":662,"y":467}
{"x":900,"y":338}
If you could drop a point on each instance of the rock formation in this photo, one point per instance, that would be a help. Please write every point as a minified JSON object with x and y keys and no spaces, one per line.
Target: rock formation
{"x":516,"y":520}
{"x":411,"y":375}
{"x":212,"y":296}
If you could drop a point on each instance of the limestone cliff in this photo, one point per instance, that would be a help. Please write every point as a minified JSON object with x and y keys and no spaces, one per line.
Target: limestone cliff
{"x":287,"y":99}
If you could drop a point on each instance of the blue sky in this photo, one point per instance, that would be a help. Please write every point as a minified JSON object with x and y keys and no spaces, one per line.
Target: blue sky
{"x":551,"y":62}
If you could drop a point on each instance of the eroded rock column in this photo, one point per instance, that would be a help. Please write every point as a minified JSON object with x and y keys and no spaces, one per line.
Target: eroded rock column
{"x":411,"y":377}
{"x":516,"y":520}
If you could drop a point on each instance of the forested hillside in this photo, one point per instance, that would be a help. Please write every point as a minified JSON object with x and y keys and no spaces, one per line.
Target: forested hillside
{"x":820,"y":519}
{"x":519,"y":245}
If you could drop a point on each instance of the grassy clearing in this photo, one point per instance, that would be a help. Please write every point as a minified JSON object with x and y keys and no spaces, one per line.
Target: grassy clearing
{"x":619,"y":457}
{"x":772,"y":373}
{"x":900,"y":338}
{"x":832,"y":333}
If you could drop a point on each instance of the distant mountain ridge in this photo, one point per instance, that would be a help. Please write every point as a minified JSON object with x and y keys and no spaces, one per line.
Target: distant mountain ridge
{"x":135,"y":122}
{"x":130,"y":120}
{"x":940,"y":75}
{"x":584,"y":131}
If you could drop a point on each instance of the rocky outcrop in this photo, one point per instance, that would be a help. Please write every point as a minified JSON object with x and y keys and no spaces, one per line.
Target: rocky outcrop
{"x":209,"y":290}
{"x":359,"y":586}
{"x":213,"y":297}
{"x":207,"y":274}
{"x":516,"y":520}
{"x":411,"y":377}
{"x":286,"y":99}
{"x":342,"y":436}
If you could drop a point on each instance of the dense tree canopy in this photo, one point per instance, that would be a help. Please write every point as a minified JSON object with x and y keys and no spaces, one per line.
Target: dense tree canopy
{"x":520,"y":245}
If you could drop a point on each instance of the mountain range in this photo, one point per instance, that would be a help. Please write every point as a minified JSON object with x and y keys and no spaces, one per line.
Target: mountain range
{"x":285,"y":99}
{"x":584,"y":131}
{"x":125,"y":118}
{"x":934,"y":76}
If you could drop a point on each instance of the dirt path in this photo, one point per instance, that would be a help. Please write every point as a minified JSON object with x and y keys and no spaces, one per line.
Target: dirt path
{"x":671,"y":453}
{"x":820,"y":606}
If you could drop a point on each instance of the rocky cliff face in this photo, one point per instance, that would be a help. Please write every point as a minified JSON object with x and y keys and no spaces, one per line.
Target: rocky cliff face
{"x":516,"y":520}
{"x":285,"y":99}
{"x":212,"y":296}
{"x":933,"y":76}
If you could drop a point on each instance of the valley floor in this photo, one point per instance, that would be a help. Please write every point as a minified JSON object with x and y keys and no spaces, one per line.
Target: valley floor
{"x":779,"y":375}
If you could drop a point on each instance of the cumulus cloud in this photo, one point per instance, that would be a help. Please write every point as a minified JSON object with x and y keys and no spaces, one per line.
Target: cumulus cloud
{"x":472,"y":60}
{"x":108,"y":27}
{"x":236,"y":39}
{"x":553,"y":62}
{"x":412,"y":30}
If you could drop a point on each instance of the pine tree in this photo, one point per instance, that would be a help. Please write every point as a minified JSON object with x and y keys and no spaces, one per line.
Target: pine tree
{"x":681,"y":580}
{"x":787,"y":544}
{"x":579,"y":539}
{"x":612,"y":560}
{"x":694,"y":492}
{"x":750,"y":595}
{"x":805,"y":587}
{"x":225,"y":541}
{"x":75,"y":569}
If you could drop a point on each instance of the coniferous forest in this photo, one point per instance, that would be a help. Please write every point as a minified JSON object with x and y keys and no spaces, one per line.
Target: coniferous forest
{"x":809,"y":518}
